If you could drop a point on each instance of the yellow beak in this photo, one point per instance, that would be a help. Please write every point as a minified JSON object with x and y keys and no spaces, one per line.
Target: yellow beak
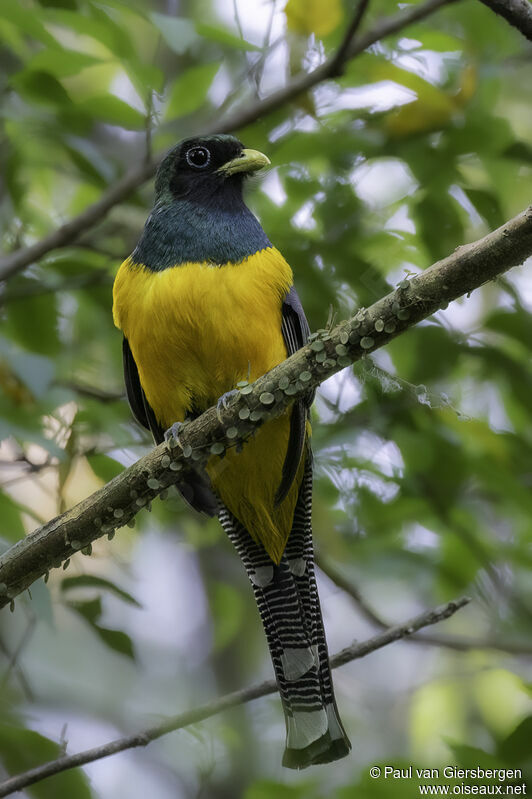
{"x":247,"y":161}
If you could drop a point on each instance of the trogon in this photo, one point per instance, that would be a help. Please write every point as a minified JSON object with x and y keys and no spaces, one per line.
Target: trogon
{"x":206,"y":301}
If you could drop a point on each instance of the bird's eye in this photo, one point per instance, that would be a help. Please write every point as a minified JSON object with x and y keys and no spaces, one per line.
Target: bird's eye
{"x":198,"y":157}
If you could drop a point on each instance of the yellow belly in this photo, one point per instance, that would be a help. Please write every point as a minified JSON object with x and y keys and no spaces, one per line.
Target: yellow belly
{"x":195,"y":331}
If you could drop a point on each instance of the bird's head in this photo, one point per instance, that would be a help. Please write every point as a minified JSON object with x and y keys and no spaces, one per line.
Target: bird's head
{"x":200,"y":168}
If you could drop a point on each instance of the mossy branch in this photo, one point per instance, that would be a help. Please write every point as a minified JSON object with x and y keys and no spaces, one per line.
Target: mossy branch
{"x":328,"y":352}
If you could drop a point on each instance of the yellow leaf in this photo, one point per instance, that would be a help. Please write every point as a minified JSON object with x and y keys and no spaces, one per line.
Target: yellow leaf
{"x":313,"y":16}
{"x":467,"y":86}
{"x":433,"y":108}
{"x":419,"y":117}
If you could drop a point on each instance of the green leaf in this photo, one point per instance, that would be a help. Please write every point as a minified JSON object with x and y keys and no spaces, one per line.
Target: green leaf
{"x":89,"y":160}
{"x":23,"y":749}
{"x":516,"y":747}
{"x":370,"y":788}
{"x":72,"y":261}
{"x":33,"y":322}
{"x":41,"y":603}
{"x":189,"y":91}
{"x":145,"y":77}
{"x":439,"y":223}
{"x":472,"y":757}
{"x":97,"y":25}
{"x":516,"y":324}
{"x":17,"y":14}
{"x":435,"y":39}
{"x":117,"y":34}
{"x":229,"y":609}
{"x":40,"y":87}
{"x":35,"y":371}
{"x":519,"y":151}
{"x":267,"y":789}
{"x":104,"y":467}
{"x":91,"y":581}
{"x":313,"y":16}
{"x":58,"y":3}
{"x":178,"y":33}
{"x":114,"y":111}
{"x":488,"y":206}
{"x":115,"y":639}
{"x":222,"y":36}
{"x":11,"y":527}
{"x":61,"y":62}
{"x":91,"y":609}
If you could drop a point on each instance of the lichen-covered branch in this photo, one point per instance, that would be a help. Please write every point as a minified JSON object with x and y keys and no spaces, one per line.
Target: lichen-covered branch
{"x":250,"y":112}
{"x":352,"y":652}
{"x":328,"y":351}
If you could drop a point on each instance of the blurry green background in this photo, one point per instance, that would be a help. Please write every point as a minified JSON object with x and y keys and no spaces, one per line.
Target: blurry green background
{"x":423,"y":451}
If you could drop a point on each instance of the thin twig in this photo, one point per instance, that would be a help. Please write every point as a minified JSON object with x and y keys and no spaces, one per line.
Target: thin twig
{"x":342,"y":54}
{"x":250,"y":112}
{"x":336,"y":577}
{"x":350,"y":653}
{"x":13,"y":659}
{"x":266,"y":50}
{"x":116,"y":503}
{"x":24,"y":684}
{"x":457,"y":643}
{"x":94,"y":278}
{"x":92,"y":392}
{"x":236,"y":17}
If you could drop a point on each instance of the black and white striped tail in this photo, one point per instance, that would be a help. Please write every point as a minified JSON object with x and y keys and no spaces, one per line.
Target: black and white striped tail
{"x":287,"y":598}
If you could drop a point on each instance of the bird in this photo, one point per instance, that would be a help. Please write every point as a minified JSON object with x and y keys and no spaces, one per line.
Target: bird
{"x":204,"y":302}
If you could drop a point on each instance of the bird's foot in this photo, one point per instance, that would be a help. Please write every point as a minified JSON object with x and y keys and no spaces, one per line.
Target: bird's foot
{"x":221,"y":405}
{"x":171,"y":436}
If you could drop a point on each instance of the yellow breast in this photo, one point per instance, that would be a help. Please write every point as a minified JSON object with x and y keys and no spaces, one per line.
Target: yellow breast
{"x":195,"y":330}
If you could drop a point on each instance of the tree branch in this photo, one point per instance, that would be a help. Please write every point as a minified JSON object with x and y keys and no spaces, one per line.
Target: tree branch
{"x":457,"y":643}
{"x":92,"y":392}
{"x":517,"y":13}
{"x":339,"y":59}
{"x":350,"y":653}
{"x":250,"y":112}
{"x":328,"y":352}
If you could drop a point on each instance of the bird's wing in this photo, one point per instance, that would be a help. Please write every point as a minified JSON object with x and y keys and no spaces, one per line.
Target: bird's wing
{"x":295,"y":330}
{"x":194,"y":488}
{"x":136,"y":397}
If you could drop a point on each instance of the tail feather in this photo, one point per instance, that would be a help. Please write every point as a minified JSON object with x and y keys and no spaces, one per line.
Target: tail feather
{"x":288,"y":603}
{"x":300,"y":555}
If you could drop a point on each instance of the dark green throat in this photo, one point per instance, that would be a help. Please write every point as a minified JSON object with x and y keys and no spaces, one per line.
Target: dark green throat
{"x":215,"y":229}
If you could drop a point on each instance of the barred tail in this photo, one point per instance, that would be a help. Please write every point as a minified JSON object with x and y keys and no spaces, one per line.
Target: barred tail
{"x":287,"y":598}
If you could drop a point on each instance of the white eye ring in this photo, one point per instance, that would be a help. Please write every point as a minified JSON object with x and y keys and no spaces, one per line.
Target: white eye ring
{"x":190,"y":155}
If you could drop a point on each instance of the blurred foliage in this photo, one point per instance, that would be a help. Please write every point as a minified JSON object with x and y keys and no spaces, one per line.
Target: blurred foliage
{"x":423,"y":452}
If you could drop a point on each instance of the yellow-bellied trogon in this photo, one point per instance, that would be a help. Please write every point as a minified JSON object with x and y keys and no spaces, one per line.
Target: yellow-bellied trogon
{"x":204,"y":302}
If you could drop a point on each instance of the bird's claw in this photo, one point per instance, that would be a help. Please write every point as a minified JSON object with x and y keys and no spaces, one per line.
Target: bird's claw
{"x":221,"y":405}
{"x":171,"y":436}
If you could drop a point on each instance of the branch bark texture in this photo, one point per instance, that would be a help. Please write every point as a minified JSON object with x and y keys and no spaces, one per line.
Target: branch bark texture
{"x":328,"y":352}
{"x":352,"y":652}
{"x":237,"y":119}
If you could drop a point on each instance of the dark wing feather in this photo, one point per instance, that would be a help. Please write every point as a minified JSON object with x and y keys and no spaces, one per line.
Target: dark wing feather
{"x":195,"y":489}
{"x":295,"y":330}
{"x":138,"y":403}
